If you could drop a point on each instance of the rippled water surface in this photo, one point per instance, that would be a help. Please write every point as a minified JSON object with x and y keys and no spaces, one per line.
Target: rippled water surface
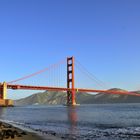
{"x":87,"y":122}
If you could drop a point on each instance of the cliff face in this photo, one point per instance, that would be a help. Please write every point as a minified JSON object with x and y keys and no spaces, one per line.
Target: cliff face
{"x":81,"y":98}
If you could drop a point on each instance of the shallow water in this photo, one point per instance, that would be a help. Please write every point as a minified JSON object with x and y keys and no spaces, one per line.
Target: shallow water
{"x":98,"y":122}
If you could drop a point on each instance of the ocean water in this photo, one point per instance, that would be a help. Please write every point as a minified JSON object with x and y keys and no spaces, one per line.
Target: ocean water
{"x":84,"y":122}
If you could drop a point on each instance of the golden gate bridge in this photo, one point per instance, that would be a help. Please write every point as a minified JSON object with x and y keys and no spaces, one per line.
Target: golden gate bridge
{"x":70,"y":89}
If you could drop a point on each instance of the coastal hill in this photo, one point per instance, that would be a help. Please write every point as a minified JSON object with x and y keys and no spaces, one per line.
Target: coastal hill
{"x":81,"y":98}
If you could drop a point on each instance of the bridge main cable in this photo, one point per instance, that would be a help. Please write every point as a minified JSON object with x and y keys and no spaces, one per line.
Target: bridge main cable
{"x":38,"y":72}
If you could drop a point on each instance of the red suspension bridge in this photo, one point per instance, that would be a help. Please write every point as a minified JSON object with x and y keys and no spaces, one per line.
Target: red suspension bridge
{"x":70,"y":89}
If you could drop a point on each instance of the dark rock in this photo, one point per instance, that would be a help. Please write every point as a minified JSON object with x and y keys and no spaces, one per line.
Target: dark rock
{"x":23,"y":133}
{"x":15,"y":132}
{"x":19,"y":135}
{"x":52,"y":133}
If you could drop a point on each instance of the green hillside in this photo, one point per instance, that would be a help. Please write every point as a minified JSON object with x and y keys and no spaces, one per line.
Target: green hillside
{"x":54,"y":98}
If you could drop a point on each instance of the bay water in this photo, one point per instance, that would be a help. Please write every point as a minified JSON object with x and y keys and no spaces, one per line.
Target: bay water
{"x":87,"y":122}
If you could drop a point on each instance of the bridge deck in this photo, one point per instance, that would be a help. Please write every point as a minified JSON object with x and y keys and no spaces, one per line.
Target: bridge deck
{"x":28,"y":87}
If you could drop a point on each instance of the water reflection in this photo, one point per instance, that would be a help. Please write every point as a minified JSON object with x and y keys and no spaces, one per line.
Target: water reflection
{"x":72,"y":119}
{"x":2,"y":111}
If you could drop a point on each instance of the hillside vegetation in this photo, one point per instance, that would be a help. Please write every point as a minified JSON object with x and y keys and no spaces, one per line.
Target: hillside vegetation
{"x":54,"y":98}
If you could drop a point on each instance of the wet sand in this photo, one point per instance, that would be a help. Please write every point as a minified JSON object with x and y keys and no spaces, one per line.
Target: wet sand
{"x":9,"y":132}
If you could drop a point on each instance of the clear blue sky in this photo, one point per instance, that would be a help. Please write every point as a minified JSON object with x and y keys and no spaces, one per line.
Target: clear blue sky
{"x":104,"y":35}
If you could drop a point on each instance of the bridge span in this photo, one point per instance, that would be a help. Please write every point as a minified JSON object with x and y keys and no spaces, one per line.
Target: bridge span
{"x":70,"y":90}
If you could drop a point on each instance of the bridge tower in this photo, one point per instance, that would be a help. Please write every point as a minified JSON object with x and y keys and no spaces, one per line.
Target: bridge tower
{"x":70,"y":82}
{"x":3,"y":90}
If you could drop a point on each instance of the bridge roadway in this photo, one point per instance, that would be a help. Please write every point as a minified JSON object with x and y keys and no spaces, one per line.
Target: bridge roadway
{"x":29,"y":87}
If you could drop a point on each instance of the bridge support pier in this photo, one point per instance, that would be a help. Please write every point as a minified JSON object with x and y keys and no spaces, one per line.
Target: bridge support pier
{"x":70,"y":82}
{"x":3,"y":90}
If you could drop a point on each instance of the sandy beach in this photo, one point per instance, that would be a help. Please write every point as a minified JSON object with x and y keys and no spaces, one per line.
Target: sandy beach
{"x":9,"y":132}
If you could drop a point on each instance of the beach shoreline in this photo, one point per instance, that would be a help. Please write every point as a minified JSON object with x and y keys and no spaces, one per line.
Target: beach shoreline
{"x":11,"y":132}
